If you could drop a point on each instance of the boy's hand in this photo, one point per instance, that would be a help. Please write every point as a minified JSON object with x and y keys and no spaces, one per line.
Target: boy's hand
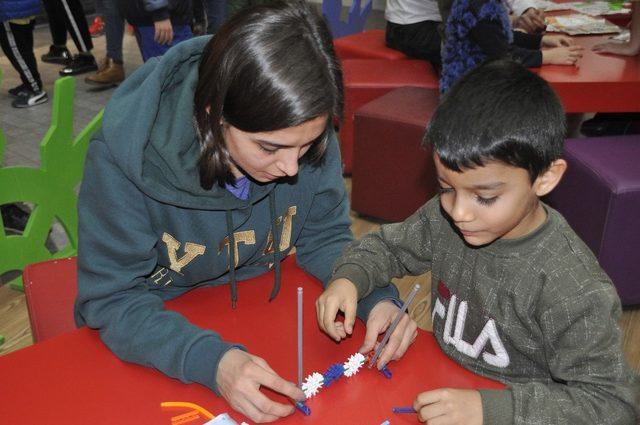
{"x":340,"y":295}
{"x":379,"y":320}
{"x":562,"y":55}
{"x":449,"y":406}
{"x":163,"y":31}
{"x":557,"y":40}
{"x":240,"y":376}
{"x":531,"y":21}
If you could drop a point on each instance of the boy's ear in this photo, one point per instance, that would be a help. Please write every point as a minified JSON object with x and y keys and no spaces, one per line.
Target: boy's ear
{"x":548,"y":180}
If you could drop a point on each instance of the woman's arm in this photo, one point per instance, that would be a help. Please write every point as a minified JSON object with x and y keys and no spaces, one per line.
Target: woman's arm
{"x":116,"y":254}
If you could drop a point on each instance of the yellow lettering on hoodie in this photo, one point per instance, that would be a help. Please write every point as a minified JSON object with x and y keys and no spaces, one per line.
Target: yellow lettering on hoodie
{"x":191,"y":251}
{"x":159,"y":275}
{"x":246,"y":237}
{"x":285,"y":237}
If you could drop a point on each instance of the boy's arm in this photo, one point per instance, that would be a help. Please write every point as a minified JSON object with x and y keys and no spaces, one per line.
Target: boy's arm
{"x":590,"y":381}
{"x":488,"y":36}
{"x":395,"y":250}
{"x":326,"y":229}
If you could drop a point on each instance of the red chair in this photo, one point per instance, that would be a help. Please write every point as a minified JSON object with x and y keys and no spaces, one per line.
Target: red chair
{"x":366,"y":45}
{"x":50,"y":289}
{"x":368,"y":79}
{"x":392,"y":174}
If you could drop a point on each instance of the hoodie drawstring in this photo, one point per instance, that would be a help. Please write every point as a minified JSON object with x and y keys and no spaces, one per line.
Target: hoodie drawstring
{"x":276,"y":251}
{"x":276,"y":244}
{"x":232,"y":261}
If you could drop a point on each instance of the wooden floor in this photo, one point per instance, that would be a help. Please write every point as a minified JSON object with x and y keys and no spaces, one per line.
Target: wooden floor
{"x":14,"y":320}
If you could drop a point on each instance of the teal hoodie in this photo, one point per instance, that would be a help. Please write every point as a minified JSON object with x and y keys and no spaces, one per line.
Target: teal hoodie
{"x":148,"y":232}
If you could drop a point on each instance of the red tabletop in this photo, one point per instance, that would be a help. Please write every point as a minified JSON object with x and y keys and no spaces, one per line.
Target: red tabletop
{"x":75,"y":379}
{"x":600,"y":83}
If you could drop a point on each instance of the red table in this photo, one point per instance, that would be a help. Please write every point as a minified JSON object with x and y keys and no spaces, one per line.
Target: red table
{"x":75,"y":379}
{"x":600,"y":83}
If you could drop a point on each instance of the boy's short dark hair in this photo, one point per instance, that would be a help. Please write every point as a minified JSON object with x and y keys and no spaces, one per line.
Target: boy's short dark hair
{"x":498,"y":111}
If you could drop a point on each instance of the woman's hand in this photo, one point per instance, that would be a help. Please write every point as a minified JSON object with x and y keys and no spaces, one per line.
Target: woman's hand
{"x":340,"y":295}
{"x":379,"y":320}
{"x":556,"y":40}
{"x":562,"y":55}
{"x":449,"y":406}
{"x":240,"y":376}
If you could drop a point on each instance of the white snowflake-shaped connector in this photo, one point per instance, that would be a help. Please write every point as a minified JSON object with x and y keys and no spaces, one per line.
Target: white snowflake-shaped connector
{"x":312,"y":384}
{"x":353,"y":364}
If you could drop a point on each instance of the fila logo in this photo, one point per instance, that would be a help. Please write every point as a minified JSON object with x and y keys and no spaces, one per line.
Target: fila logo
{"x":489,"y":333}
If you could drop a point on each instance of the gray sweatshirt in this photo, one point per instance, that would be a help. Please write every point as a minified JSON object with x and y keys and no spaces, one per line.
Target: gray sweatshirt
{"x":536,"y":313}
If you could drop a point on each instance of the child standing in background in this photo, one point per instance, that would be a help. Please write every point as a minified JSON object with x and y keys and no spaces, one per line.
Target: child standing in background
{"x":158,"y":24}
{"x":479,"y":30}
{"x":516,"y":295}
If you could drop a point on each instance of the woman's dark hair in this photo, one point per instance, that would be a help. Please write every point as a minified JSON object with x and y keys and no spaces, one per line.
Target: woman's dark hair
{"x":268,"y":68}
{"x":498,"y":111}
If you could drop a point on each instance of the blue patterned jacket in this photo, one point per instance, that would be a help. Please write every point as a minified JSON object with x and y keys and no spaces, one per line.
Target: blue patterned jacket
{"x":461,"y":53}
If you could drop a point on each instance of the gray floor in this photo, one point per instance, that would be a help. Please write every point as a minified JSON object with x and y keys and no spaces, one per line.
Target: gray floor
{"x":24,"y":128}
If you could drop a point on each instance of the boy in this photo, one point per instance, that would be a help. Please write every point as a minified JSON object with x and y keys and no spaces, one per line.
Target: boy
{"x":517,"y":296}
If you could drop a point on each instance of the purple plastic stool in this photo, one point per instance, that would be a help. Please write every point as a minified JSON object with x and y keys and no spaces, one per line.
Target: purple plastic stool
{"x":600,"y":198}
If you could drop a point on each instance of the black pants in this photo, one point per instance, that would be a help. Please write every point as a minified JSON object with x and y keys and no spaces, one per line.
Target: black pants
{"x":17,"y":43}
{"x":67,"y":16}
{"x":420,"y":40}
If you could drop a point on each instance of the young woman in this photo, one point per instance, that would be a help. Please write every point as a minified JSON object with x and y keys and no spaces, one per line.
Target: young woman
{"x":212,"y":163}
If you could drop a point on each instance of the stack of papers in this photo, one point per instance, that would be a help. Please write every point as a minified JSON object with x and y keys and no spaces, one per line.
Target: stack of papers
{"x":580,"y":25}
{"x":591,"y":8}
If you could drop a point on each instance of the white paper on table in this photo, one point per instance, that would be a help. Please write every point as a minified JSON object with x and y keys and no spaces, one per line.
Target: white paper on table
{"x":591,"y":8}
{"x":549,"y":6}
{"x":596,"y":8}
{"x":222,"y":419}
{"x":577,"y":24}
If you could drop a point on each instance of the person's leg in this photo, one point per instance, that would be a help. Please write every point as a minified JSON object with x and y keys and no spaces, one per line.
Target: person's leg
{"x":111,"y":70}
{"x":180,"y":34}
{"x":57,"y":25}
{"x":199,"y":21}
{"x":216,"y":14}
{"x":114,"y":30}
{"x":58,"y":52}
{"x":76,"y":23}
{"x":17,"y":43}
{"x":79,"y":31}
{"x":420,"y":40}
{"x":142,"y":33}
{"x":96,"y":29}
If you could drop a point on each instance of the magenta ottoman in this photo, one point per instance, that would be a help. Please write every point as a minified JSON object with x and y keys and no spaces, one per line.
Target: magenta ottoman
{"x":600,"y":198}
{"x":392,"y":174}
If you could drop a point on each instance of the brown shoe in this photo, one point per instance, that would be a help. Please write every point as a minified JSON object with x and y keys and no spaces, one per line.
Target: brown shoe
{"x":109,"y":74}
